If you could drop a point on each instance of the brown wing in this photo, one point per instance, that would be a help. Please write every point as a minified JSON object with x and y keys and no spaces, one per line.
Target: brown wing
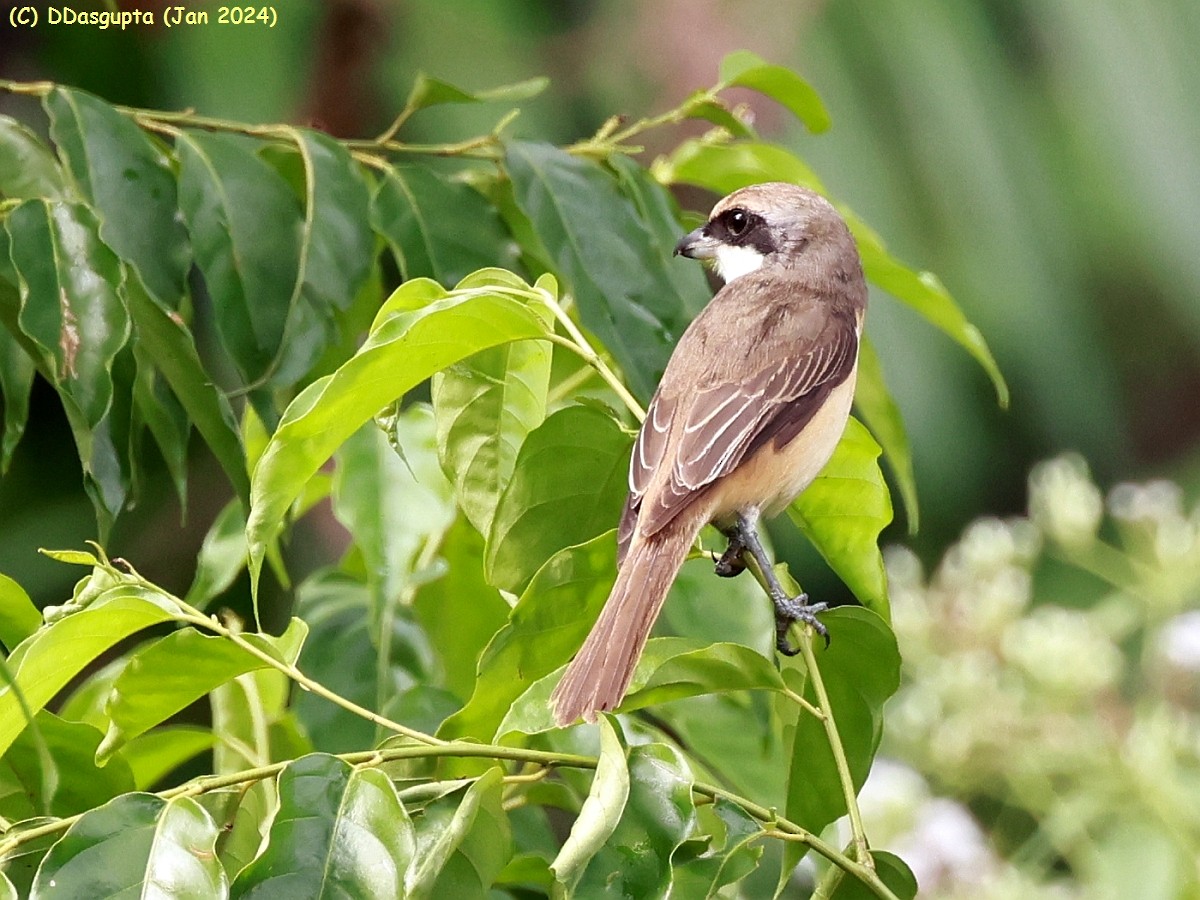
{"x":725,"y":422}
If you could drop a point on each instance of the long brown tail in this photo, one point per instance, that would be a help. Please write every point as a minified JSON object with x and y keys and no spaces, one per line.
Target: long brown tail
{"x":596,"y":680}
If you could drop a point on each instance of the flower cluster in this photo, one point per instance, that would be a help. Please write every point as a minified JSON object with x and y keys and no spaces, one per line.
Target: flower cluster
{"x":1048,"y":730}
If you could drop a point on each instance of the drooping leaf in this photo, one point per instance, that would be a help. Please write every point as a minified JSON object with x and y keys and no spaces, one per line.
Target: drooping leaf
{"x":617,"y":273}
{"x":336,"y":249}
{"x":135,"y":845}
{"x":227,"y":195}
{"x":405,"y":347}
{"x":462,"y":845}
{"x":545,"y":628}
{"x":153,"y":756}
{"x":879,"y":412}
{"x":568,"y":485}
{"x":49,"y":658}
{"x":162,"y":414}
{"x":126,"y":175}
{"x":658,"y":816}
{"x":601,"y":810}
{"x":339,"y":832}
{"x":861,"y":670}
{"x":70,"y":301}
{"x":166,"y":342}
{"x":436,"y":227}
{"x":28,"y":170}
{"x":222,"y":556}
{"x":155,"y":685}
{"x":745,"y":69}
{"x":842,"y":513}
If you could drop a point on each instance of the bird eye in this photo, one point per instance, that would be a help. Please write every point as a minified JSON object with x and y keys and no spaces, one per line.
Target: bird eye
{"x":737,"y":223}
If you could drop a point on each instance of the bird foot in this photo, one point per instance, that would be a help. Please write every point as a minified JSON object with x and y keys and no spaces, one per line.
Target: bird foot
{"x":789,"y":610}
{"x":730,"y":563}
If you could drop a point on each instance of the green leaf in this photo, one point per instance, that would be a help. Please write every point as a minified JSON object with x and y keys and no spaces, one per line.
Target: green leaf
{"x":405,"y":347}
{"x":724,"y":167}
{"x":601,"y":810}
{"x":745,"y":69}
{"x":737,"y":855}
{"x":222,"y":556}
{"x":7,"y":890}
{"x":227,"y":195}
{"x":606,"y":256}
{"x":545,"y":628}
{"x":155,"y":755}
{"x":436,"y":227}
{"x":842,"y":513}
{"x":879,"y":412}
{"x":77,"y":783}
{"x":135,"y":845}
{"x":72,"y":311}
{"x":335,"y":253}
{"x":70,"y":305}
{"x":892,"y":871}
{"x":339,"y":832}
{"x":485,"y":407}
{"x":928,"y":296}
{"x":154,"y":685}
{"x":375,"y":495}
{"x":19,"y":618}
{"x":860,"y":670}
{"x":127,"y":177}
{"x":166,"y":342}
{"x":48,"y":659}
{"x":428,"y":92}
{"x":28,"y":170}
{"x":16,"y":382}
{"x":461,"y":846}
{"x":568,"y":486}
{"x":460,"y":611}
{"x":658,"y":816}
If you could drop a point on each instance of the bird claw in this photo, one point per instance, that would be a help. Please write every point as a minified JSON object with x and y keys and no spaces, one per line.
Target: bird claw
{"x":797,"y":609}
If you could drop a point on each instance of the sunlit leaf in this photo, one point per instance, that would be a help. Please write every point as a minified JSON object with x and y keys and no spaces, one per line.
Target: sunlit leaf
{"x":842,"y":513}
{"x":600,"y":813}
{"x":405,"y":348}
{"x":180,"y":668}
{"x":339,"y":832}
{"x":745,"y":69}
{"x":48,"y":659}
{"x":568,"y":486}
{"x":126,"y":176}
{"x":135,"y":845}
{"x":19,"y":618}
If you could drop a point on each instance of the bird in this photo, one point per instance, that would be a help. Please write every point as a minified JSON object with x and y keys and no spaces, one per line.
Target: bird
{"x":750,"y":407}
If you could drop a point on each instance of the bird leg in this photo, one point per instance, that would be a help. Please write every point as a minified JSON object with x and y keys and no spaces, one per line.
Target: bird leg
{"x":787,"y":609}
{"x":730,"y":563}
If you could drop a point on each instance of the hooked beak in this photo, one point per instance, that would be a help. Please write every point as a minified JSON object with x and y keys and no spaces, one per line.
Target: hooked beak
{"x":697,"y":244}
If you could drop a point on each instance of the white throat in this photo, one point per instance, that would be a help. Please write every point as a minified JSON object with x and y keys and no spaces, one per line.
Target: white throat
{"x":734,"y":262}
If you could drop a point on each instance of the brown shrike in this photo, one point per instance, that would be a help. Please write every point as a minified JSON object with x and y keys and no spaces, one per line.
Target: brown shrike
{"x":752,"y":403}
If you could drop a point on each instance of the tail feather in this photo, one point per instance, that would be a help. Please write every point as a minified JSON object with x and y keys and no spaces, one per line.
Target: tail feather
{"x":596,"y":680}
